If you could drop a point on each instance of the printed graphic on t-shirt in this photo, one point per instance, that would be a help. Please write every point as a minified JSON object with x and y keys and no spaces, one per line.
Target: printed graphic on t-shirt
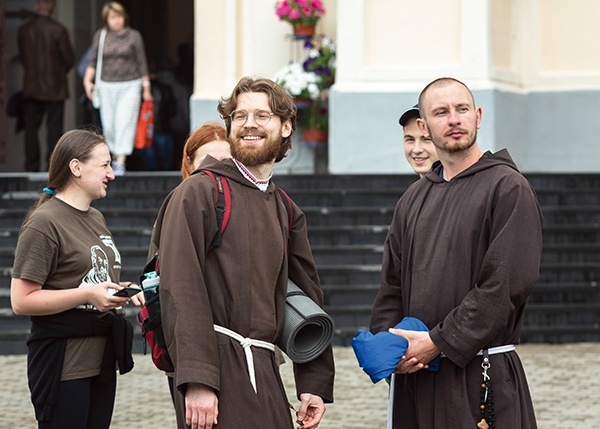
{"x":108,"y":242}
{"x":100,"y":267}
{"x":99,"y":271}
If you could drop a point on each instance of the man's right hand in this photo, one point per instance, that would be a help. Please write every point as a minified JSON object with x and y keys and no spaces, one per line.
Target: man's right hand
{"x":201,"y":406}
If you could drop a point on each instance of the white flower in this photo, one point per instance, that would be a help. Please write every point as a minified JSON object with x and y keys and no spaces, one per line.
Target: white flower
{"x":295,"y":80}
{"x":326,"y":41}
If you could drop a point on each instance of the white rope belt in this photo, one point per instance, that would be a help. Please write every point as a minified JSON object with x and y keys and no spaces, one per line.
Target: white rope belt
{"x":493,"y":350}
{"x":497,"y":350}
{"x":246,"y":343}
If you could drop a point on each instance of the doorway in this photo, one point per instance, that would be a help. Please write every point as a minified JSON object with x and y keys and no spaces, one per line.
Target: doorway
{"x":168,"y":32}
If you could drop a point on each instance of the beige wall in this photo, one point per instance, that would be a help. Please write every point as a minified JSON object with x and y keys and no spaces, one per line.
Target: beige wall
{"x":570,"y":36}
{"x":539,"y":45}
{"x":399,"y":33}
{"x":503,"y":34}
{"x":520,"y":44}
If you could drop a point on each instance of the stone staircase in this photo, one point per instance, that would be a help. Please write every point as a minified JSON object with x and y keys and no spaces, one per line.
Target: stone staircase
{"x":348,"y":217}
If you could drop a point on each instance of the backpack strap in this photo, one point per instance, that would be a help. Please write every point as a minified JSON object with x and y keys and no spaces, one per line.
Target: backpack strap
{"x":222,"y":203}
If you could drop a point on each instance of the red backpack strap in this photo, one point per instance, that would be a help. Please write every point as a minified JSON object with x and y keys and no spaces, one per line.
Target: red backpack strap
{"x":222,"y":203}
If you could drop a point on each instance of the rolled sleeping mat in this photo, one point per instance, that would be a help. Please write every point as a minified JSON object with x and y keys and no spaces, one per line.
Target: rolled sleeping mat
{"x":307,"y":329}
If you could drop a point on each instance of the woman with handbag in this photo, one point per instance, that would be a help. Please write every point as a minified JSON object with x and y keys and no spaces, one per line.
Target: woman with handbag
{"x":115,"y":76}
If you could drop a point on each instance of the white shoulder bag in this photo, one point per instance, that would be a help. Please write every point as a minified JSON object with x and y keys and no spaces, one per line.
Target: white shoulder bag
{"x":98,"y":78}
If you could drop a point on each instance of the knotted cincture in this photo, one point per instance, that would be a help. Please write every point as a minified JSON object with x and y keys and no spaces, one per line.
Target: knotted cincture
{"x":247,"y":344}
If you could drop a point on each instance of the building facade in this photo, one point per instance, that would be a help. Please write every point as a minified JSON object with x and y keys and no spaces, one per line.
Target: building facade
{"x":532,"y":66}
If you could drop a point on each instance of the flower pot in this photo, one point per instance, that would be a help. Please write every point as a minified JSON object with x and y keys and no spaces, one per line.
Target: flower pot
{"x":315,"y":136}
{"x":303,"y":31}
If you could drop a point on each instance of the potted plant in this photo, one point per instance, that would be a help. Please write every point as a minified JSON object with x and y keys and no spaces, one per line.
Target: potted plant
{"x":302,"y":14}
{"x":309,"y":83}
{"x":314,"y":122}
{"x":321,"y":60}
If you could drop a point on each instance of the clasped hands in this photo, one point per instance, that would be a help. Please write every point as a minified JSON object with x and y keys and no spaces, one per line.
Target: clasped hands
{"x":421,"y":350}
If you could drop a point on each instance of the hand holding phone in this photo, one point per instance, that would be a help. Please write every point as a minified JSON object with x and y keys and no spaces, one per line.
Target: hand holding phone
{"x":127,"y":292}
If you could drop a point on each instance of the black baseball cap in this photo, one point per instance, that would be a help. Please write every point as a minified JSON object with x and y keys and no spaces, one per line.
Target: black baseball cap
{"x":412,"y":112}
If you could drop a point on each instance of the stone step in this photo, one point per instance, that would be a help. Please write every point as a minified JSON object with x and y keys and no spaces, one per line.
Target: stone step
{"x":571,"y":215}
{"x":348,"y":218}
{"x":564,"y":180}
{"x":574,"y":272}
{"x":586,"y":253}
{"x":583,"y":209}
{"x":561,"y":334}
{"x":166,"y":180}
{"x":571,"y":252}
{"x":536,"y":316}
{"x":567,"y":234}
{"x":364,"y":293}
{"x":557,"y":314}
{"x":348,"y":295}
{"x":565,"y":293}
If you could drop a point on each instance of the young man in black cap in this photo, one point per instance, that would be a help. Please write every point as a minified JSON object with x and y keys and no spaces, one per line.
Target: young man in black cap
{"x":418,"y":149}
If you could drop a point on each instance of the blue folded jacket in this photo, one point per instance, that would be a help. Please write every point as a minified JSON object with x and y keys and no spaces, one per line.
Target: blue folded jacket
{"x":378,"y":355}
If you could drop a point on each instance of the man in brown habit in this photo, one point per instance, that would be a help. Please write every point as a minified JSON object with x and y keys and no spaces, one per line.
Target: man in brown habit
{"x":462,"y":255}
{"x":213,"y":297}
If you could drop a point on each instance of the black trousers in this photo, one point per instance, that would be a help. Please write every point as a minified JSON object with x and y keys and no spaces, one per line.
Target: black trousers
{"x":86,"y":403}
{"x":33,"y":114}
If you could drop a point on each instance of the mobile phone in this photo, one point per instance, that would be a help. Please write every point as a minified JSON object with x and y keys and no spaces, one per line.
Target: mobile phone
{"x":128,"y":291}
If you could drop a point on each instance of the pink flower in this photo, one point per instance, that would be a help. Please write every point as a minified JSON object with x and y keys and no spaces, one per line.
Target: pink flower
{"x":318,"y":6}
{"x":294,"y":14}
{"x":283,"y":9}
{"x":306,"y":12}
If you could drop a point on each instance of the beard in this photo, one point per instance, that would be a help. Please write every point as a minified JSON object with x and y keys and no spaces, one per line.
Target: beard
{"x":449,"y":145}
{"x":251,"y":155}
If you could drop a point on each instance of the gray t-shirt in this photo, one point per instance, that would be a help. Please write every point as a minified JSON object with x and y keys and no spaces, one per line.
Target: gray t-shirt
{"x":61,"y":247}
{"x":123,"y":57}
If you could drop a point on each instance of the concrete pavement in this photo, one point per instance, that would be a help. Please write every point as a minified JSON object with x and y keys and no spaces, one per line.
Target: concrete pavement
{"x":563,"y":379}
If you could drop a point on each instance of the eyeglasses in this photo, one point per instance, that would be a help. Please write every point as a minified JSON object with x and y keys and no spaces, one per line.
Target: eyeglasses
{"x":261,"y":117}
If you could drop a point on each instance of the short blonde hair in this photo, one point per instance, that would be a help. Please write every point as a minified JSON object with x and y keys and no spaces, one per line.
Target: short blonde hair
{"x":115,"y":7}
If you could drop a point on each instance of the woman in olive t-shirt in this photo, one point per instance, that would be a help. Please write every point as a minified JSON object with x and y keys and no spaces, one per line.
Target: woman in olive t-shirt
{"x":65,"y":270}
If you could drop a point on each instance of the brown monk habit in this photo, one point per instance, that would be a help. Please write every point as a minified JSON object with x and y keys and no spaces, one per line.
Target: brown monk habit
{"x":463,"y":256}
{"x":240,"y":285}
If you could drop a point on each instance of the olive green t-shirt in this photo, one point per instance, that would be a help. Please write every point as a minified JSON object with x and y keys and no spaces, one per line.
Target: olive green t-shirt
{"x":61,"y":247}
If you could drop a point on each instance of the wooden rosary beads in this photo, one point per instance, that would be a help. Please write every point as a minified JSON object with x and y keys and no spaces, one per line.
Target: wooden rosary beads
{"x":486,"y":407}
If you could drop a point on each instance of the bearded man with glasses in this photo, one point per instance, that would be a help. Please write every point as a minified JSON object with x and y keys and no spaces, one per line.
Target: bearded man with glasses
{"x":212,"y":297}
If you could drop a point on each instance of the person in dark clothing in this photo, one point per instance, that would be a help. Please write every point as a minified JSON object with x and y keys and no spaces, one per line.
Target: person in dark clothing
{"x":463,"y":255}
{"x":47,"y":56}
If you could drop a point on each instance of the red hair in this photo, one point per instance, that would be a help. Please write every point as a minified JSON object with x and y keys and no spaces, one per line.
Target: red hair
{"x":205,"y":134}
